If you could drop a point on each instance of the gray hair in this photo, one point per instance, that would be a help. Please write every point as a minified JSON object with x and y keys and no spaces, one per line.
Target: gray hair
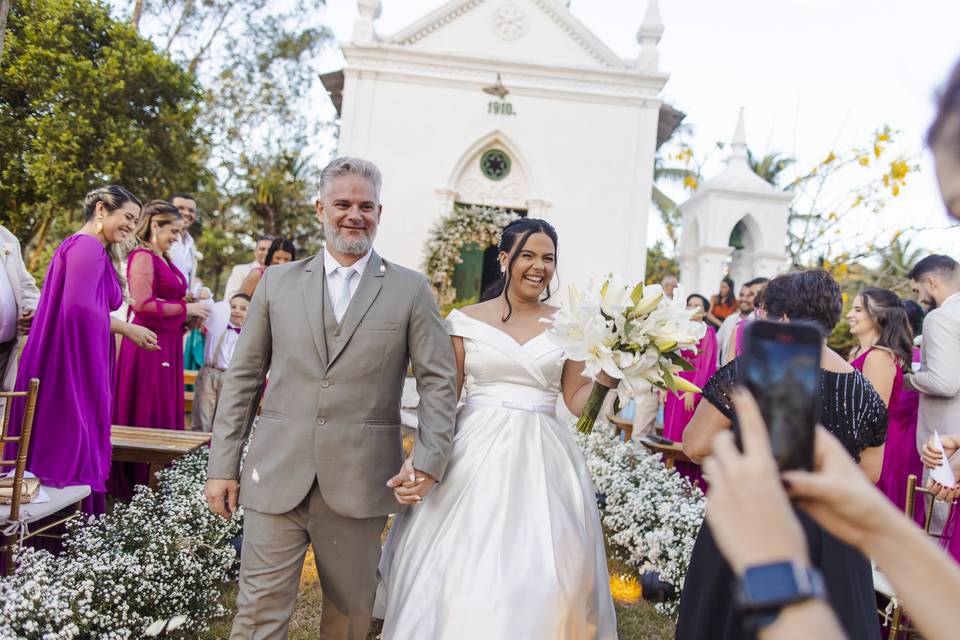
{"x":347,"y":166}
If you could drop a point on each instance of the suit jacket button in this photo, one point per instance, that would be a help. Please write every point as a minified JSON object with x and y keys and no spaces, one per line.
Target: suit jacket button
{"x":321,"y":421}
{"x":325,"y":384}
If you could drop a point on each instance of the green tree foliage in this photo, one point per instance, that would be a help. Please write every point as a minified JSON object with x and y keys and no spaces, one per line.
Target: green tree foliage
{"x":770,"y":166}
{"x":254,"y":59}
{"x":659,"y":264}
{"x":84,"y":101}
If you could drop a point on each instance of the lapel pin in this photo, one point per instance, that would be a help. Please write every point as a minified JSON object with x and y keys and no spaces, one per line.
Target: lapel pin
{"x":383,"y":268}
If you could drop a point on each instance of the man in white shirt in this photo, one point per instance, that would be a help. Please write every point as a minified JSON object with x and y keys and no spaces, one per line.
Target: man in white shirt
{"x":19,"y":297}
{"x":726,"y":336}
{"x":221,"y":341}
{"x":239,"y":273}
{"x":669,"y":285}
{"x":183,"y":252}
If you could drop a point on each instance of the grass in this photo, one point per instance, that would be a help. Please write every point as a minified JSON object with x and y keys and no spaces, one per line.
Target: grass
{"x":636,"y":620}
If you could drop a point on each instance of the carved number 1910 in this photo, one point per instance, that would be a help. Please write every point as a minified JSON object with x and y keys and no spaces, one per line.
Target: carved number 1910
{"x":501,"y":108}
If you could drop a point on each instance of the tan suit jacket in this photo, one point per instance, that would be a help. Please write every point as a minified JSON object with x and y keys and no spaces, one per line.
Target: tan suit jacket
{"x":331,"y":412}
{"x":938,"y":380}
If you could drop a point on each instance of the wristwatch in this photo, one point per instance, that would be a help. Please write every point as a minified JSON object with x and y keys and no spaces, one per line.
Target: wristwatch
{"x":765,"y":589}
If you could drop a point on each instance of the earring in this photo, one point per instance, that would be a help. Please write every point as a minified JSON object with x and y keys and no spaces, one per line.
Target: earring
{"x":99,"y":226}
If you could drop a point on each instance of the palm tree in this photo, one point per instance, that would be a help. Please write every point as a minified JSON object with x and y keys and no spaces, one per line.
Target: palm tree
{"x":770,"y":166}
{"x":669,"y":210}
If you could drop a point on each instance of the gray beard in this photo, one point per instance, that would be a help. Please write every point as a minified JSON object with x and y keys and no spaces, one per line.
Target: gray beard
{"x":358,"y":247}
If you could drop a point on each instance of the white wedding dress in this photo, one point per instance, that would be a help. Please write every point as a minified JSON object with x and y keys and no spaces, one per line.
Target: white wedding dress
{"x":509,"y":545}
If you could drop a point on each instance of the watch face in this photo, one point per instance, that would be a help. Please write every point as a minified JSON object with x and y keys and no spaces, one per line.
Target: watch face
{"x":771,"y":583}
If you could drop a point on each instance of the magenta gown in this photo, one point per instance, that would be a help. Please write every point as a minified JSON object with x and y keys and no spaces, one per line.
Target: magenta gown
{"x":70,"y":349}
{"x":900,"y":456}
{"x":148,"y":391}
{"x":675,"y":416}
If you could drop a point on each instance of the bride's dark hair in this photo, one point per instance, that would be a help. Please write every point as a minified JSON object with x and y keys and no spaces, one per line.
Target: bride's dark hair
{"x":512,"y":240}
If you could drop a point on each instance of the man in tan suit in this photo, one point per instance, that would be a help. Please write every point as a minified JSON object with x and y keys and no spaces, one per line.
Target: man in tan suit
{"x":336,"y":333}
{"x":936,"y":281}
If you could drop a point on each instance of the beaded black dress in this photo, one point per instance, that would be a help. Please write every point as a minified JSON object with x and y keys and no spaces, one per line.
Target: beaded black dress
{"x":855,"y":414}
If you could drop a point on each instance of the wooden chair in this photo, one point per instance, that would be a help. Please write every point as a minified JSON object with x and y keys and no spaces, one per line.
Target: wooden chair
{"x":893,"y":614}
{"x":623,"y":427}
{"x":63,"y":504}
{"x":189,"y":377}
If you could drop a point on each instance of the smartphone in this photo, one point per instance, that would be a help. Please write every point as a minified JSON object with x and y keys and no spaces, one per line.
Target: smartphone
{"x":781,"y":368}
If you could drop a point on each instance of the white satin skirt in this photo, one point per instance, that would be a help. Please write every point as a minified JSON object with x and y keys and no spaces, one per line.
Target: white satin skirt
{"x":509,"y":545}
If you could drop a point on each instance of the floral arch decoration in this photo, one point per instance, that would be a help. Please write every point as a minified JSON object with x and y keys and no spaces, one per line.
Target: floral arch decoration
{"x":465,"y":225}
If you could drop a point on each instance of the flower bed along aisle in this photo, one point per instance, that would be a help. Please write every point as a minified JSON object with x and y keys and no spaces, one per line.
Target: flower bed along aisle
{"x":651,"y":513}
{"x":161,"y":556}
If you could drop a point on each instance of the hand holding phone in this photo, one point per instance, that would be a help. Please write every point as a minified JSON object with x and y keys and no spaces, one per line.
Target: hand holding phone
{"x":781,"y":369}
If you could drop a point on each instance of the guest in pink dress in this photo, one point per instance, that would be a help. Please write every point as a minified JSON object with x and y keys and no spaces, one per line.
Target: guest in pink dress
{"x":148,"y":391}
{"x":71,"y":351}
{"x":680,"y":406}
{"x":879,"y":322}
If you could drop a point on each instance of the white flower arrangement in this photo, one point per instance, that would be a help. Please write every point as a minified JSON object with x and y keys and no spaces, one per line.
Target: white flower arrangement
{"x":463,"y":226}
{"x":632,"y":333}
{"x":651,"y":514}
{"x":156,"y":562}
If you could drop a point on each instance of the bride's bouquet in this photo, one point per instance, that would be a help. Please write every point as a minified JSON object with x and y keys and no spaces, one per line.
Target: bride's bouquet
{"x":632,"y":333}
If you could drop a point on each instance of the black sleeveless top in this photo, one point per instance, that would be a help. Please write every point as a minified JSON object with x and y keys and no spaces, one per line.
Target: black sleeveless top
{"x":852,"y":410}
{"x":854,"y":413}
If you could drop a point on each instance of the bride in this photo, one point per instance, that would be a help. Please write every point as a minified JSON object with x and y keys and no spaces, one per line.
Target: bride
{"x":509,"y":545}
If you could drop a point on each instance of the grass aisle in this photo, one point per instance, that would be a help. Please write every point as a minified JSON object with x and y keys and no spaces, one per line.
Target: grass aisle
{"x":635,"y":621}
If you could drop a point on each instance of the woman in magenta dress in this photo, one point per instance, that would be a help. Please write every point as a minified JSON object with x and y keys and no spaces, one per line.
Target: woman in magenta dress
{"x":71,"y":351}
{"x":680,"y":406}
{"x":149,"y":385}
{"x":879,"y":322}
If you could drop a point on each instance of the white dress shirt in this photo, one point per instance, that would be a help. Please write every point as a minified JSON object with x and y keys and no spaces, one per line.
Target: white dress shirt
{"x":8,"y":309}
{"x":227,"y":343}
{"x":237,"y":275}
{"x":335,"y":280}
{"x":183,"y":254}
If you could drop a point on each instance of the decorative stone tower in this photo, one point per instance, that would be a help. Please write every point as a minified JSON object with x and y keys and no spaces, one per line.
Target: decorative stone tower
{"x":735,"y":224}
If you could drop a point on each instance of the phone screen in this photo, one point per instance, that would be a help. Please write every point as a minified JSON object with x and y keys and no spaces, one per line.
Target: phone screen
{"x":781,"y":368}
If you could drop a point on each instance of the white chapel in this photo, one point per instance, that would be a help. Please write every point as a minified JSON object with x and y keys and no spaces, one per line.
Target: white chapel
{"x":735,"y":224}
{"x":513,"y":104}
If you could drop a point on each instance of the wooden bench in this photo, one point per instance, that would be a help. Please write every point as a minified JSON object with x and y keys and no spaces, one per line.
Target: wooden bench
{"x":671,"y":452}
{"x":156,"y":447}
{"x":189,"y":377}
{"x":622,"y":426}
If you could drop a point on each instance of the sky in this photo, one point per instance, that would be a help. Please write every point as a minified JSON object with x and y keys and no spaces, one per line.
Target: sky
{"x":811,"y":75}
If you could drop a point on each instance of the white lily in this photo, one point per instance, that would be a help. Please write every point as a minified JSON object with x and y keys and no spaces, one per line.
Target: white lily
{"x":614,"y":297}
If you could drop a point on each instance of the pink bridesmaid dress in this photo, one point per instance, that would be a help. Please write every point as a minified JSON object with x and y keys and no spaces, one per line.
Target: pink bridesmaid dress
{"x":675,"y":416}
{"x":149,"y":384}
{"x":900,"y":456}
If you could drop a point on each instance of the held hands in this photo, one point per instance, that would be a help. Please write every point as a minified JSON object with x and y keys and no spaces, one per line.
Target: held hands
{"x":24,"y":321}
{"x":409,"y":485}
{"x":222,"y":496}
{"x":142,"y":337}
{"x":932,"y":458}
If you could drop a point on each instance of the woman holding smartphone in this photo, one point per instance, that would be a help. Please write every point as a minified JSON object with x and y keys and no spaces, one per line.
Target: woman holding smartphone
{"x":852,"y":411}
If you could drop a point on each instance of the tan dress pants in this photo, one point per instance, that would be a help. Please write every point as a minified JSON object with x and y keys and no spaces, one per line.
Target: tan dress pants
{"x":347,"y":552}
{"x":206,"y":394}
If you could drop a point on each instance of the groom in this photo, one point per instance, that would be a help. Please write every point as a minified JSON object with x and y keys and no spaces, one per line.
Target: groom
{"x":336,"y":333}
